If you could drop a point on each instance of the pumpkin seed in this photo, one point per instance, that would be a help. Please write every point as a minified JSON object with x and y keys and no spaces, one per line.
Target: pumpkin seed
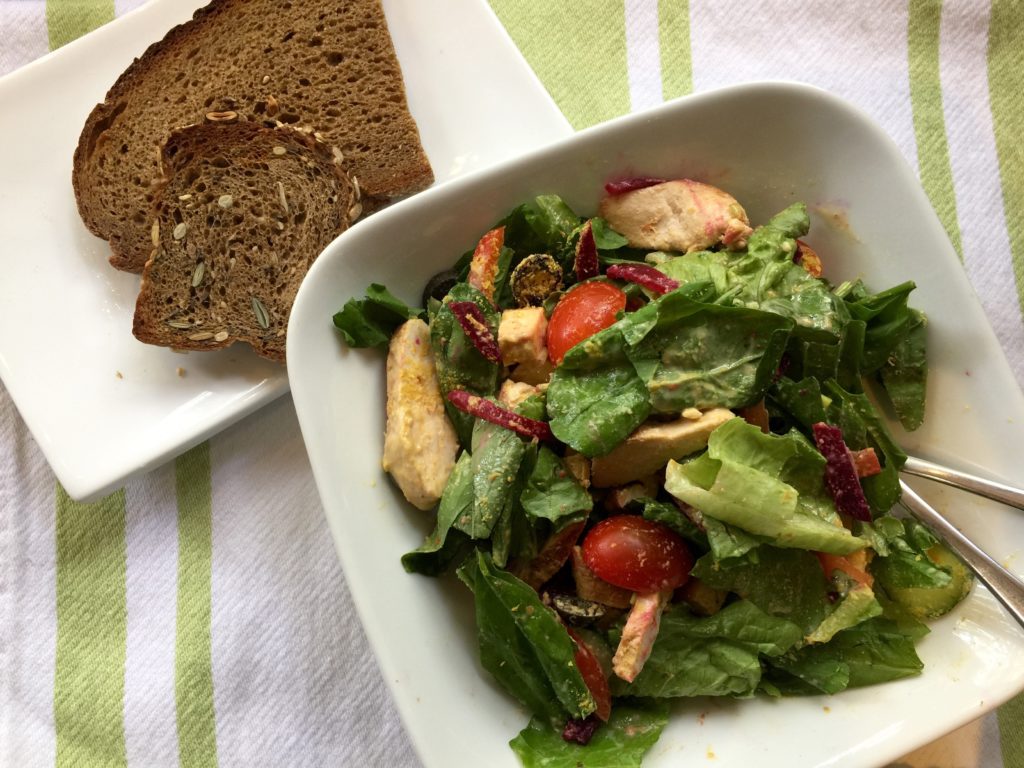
{"x":261,"y":313}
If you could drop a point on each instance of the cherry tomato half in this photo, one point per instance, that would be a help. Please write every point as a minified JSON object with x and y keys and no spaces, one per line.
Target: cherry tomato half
{"x":582,"y":312}
{"x":593,"y":676}
{"x":637,"y":554}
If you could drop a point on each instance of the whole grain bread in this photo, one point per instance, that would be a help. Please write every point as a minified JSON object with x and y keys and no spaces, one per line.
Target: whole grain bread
{"x":241,"y":212}
{"x":327,"y":66}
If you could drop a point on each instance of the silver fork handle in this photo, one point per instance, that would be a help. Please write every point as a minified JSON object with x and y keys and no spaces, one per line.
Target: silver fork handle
{"x":1007,"y":588}
{"x":990,"y":489}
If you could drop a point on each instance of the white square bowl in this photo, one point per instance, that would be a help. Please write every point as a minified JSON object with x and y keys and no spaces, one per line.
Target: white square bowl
{"x":769,"y":145}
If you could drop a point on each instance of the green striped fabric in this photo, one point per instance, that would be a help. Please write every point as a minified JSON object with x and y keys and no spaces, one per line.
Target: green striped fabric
{"x":1006,"y":94}
{"x":1006,"y":85}
{"x":592,"y":86}
{"x":92,"y":619}
{"x":193,"y":673}
{"x":674,"y":44}
{"x":929,"y":122}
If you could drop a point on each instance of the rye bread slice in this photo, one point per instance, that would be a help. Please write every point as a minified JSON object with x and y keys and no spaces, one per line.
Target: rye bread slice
{"x":329,"y":66}
{"x":241,"y":213}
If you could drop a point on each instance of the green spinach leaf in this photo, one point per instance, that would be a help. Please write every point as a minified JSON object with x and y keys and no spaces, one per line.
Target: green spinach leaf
{"x":632,"y":729}
{"x":524,"y":644}
{"x":369,"y":322}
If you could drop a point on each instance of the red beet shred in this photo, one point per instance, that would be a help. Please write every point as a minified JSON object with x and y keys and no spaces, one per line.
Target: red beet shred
{"x":628,"y":185}
{"x":473,"y":322}
{"x":840,"y":473}
{"x":488,"y":411}
{"x":643,"y":275}
{"x":586,"y":254}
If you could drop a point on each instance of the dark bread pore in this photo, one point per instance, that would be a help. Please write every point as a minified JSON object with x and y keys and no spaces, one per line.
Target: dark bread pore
{"x":326,"y":67}
{"x":241,"y":212}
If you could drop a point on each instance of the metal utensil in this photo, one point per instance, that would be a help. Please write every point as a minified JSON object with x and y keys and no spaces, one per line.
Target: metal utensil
{"x":1007,"y":588}
{"x":990,"y":489}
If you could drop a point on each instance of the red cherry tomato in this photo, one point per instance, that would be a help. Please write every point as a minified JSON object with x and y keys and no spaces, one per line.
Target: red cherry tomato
{"x":637,"y":554}
{"x":582,"y":312}
{"x":593,"y":676}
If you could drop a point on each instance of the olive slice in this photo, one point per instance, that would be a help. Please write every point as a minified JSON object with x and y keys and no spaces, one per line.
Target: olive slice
{"x":438,"y":286}
{"x":534,"y":279}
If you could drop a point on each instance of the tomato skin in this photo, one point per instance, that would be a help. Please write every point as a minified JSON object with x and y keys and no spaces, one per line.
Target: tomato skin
{"x":593,"y":676}
{"x":637,"y":554}
{"x":582,"y":312}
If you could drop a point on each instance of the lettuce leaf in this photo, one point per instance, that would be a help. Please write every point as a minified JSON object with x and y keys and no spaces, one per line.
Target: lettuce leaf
{"x":459,"y":364}
{"x":714,"y":656}
{"x":767,"y":485}
{"x":524,"y":644}
{"x":369,"y":322}
{"x":632,"y":729}
{"x":786,"y":583}
{"x":874,"y":651}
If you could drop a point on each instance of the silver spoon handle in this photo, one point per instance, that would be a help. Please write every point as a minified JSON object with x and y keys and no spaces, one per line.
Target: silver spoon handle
{"x":990,"y":489}
{"x":1007,"y":588}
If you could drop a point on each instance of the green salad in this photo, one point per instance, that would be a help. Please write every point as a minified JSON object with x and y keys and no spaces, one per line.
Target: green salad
{"x":647,"y":446}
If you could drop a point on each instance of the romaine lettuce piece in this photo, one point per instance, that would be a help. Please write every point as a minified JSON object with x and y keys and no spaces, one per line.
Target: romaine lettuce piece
{"x":768,"y":485}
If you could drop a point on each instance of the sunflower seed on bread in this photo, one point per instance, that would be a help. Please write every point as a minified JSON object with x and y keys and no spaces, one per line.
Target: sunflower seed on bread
{"x":241,"y":213}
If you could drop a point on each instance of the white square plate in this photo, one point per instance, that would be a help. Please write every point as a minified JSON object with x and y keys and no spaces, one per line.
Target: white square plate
{"x":103,"y":406}
{"x":769,"y":145}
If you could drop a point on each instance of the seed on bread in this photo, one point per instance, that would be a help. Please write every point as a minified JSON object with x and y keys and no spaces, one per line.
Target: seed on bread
{"x":233,"y":274}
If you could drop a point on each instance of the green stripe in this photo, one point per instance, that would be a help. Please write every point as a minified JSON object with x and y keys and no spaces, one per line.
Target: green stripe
{"x":674,"y":42}
{"x":69,"y":19}
{"x":193,"y":670}
{"x":1011,"y":732}
{"x":1006,"y":92}
{"x":929,"y":122}
{"x":581,"y":61}
{"x":1006,"y":95}
{"x":92,"y":607}
{"x":92,"y":632}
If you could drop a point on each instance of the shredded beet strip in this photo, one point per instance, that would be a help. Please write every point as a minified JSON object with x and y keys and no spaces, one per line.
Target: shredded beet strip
{"x":840,"y":473}
{"x":473,"y":322}
{"x":586,"y":254}
{"x":628,"y":185}
{"x":488,"y":411}
{"x":643,"y":275}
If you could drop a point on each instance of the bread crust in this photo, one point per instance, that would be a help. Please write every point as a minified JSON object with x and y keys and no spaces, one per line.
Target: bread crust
{"x":330,"y":69}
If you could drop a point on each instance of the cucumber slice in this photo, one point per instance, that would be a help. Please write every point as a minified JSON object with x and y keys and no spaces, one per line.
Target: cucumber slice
{"x":924,"y":603}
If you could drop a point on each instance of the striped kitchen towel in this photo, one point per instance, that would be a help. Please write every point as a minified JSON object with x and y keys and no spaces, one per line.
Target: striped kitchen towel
{"x":198,"y":616}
